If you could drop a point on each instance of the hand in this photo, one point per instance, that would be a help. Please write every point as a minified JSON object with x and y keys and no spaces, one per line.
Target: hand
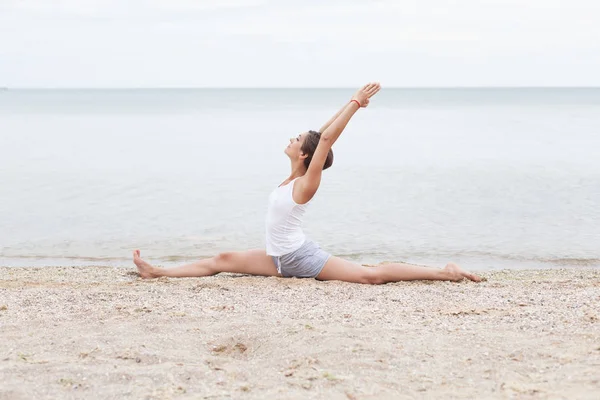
{"x":365,"y":93}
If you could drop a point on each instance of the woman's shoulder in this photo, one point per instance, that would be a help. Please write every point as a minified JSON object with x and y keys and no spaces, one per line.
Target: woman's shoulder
{"x":302,"y":193}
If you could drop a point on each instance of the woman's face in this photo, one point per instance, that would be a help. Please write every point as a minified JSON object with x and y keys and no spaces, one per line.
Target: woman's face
{"x":293,"y":150}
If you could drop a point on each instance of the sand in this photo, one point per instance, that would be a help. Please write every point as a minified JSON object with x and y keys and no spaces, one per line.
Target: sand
{"x":103,"y":333}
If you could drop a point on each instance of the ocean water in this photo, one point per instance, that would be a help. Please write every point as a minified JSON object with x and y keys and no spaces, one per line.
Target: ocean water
{"x":489,"y":178}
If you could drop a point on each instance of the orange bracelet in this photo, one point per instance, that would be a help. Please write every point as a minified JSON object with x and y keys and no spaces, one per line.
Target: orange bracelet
{"x":359,"y":106}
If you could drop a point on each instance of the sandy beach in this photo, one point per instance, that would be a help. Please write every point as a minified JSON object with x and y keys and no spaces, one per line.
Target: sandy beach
{"x":103,"y":333}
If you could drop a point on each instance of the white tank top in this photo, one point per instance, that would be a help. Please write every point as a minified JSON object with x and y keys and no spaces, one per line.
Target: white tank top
{"x":284,"y":221}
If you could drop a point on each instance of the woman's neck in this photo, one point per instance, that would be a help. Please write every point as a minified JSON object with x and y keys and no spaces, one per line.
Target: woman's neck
{"x":298,"y":170}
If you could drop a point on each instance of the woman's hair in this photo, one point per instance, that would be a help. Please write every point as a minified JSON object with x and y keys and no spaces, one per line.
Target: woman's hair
{"x":310,"y":145}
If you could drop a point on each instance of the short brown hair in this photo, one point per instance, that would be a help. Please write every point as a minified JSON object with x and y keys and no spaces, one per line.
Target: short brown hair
{"x":310,"y":145}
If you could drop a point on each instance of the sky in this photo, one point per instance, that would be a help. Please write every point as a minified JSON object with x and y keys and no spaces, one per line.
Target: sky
{"x":311,"y":43}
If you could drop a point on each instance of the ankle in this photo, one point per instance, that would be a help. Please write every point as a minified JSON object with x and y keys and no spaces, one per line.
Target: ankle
{"x":155,"y":272}
{"x":445,"y":275}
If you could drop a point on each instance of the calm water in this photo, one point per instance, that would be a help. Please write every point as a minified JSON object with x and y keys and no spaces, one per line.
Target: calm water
{"x":487,"y":177}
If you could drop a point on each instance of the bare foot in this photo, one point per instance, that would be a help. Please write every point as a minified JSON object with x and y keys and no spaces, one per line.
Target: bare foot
{"x":145,"y":270}
{"x":456,"y":273}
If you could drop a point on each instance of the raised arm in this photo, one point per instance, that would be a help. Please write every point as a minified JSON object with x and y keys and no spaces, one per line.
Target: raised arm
{"x":330,"y":134}
{"x":310,"y":182}
{"x":337,"y":114}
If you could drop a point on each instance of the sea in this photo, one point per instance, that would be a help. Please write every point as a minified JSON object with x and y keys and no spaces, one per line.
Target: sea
{"x":490,"y":178}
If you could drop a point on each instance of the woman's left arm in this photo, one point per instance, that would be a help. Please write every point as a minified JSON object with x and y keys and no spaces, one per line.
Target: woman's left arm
{"x":326,"y":125}
{"x":310,"y":182}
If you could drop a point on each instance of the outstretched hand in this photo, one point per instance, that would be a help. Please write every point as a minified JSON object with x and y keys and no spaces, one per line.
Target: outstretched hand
{"x":363,"y":94}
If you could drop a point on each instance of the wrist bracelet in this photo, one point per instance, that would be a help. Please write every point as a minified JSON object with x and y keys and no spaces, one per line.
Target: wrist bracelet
{"x":359,"y":106}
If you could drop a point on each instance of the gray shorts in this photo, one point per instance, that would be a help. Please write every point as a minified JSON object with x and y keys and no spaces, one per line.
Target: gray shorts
{"x":306,"y":262}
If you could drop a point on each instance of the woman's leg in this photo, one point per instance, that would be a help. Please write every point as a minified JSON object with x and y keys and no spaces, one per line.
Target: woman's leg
{"x":252,"y":262}
{"x":342,"y":270}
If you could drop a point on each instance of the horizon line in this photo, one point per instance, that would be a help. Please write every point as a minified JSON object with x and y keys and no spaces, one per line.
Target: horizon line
{"x":6,"y":88}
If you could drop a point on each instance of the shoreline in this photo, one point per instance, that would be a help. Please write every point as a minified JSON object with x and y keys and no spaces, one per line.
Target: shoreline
{"x":102,"y":332}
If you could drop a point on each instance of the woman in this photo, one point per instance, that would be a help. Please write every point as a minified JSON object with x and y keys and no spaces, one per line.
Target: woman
{"x":288,"y":252}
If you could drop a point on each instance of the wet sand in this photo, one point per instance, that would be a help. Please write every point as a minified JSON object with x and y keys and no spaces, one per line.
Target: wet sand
{"x":103,"y":333}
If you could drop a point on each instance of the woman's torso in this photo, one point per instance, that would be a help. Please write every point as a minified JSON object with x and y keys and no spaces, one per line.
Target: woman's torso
{"x":284,"y":221}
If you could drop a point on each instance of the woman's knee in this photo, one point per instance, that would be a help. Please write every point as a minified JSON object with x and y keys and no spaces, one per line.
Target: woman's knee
{"x":372,"y":276}
{"x":219,"y":263}
{"x":231,"y":261}
{"x":223,"y":260}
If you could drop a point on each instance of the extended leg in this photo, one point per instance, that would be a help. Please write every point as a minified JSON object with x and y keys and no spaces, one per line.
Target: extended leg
{"x":252,"y":262}
{"x":342,"y":270}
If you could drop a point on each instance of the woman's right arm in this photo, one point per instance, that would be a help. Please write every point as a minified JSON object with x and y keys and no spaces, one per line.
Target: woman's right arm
{"x":337,"y":114}
{"x":312,"y":179}
{"x":330,"y":134}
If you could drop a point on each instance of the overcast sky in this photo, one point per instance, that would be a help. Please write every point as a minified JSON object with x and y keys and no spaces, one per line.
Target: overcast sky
{"x":254,"y":43}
